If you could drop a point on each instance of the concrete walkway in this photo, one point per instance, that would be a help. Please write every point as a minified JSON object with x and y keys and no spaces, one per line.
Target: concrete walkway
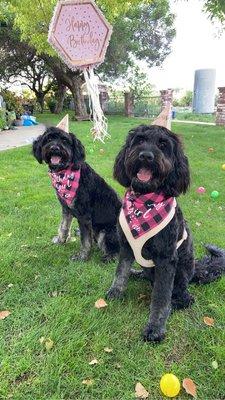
{"x":193,"y":122}
{"x":21,"y":136}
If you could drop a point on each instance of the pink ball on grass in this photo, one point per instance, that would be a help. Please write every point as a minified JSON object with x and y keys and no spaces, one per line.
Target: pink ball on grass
{"x":201,"y":190}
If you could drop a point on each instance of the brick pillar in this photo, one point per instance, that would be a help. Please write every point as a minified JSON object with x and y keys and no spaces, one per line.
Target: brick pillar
{"x":129,"y":104}
{"x":166,"y":97}
{"x":220,"y":111}
{"x":103,"y":97}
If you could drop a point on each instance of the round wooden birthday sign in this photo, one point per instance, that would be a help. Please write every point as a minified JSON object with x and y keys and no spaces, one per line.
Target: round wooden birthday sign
{"x":79,"y":33}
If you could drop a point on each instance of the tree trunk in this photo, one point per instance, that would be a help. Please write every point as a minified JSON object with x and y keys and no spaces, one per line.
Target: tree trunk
{"x":73,"y":80}
{"x":41,"y":100}
{"x":78,"y":98}
{"x":60,"y":97}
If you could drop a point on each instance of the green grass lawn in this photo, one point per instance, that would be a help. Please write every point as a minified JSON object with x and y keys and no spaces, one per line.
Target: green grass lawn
{"x":196,"y":117}
{"x":54,"y":298}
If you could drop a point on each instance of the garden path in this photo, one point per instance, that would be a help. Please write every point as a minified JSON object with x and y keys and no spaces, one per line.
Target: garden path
{"x":20,"y":136}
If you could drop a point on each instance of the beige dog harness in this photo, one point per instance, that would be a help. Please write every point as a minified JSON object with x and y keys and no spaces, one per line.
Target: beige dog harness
{"x":138,"y":242}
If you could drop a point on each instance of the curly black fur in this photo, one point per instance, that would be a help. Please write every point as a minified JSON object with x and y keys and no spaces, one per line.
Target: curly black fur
{"x":211,"y":267}
{"x":96,"y":205}
{"x":159,"y":152}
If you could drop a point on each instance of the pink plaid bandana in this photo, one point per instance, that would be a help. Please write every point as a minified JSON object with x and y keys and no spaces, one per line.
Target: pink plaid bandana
{"x":66,"y":183}
{"x":145,"y":212}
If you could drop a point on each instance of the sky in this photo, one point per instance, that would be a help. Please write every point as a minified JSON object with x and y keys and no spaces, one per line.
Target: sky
{"x":196,"y":46}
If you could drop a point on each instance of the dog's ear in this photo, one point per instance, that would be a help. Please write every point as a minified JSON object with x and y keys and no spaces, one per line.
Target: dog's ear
{"x":78,"y":149}
{"x":178,"y":181}
{"x":119,"y":168}
{"x":37,"y":149}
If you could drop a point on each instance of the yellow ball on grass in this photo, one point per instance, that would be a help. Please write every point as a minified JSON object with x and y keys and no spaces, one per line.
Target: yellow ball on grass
{"x":170,"y":385}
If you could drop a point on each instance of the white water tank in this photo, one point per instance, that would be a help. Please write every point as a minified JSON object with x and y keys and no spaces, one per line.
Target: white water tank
{"x":204,"y":91}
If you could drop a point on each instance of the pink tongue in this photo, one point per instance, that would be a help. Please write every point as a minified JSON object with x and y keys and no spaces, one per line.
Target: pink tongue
{"x":55,"y":160}
{"x":144,"y":175}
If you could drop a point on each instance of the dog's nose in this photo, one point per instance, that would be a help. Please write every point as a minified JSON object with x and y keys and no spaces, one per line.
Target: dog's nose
{"x":146,"y":156}
{"x":54,"y":147}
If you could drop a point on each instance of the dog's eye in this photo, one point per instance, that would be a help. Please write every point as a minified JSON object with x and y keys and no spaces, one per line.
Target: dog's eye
{"x":162,"y":145}
{"x":140,"y":140}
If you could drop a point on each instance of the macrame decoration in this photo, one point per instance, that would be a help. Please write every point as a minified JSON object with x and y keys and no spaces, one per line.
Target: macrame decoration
{"x":80,"y":34}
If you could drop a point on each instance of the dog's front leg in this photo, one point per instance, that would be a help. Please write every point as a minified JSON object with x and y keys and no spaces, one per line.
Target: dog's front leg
{"x":161,"y":299}
{"x":86,"y":235}
{"x":119,"y":284}
{"x":64,"y":228}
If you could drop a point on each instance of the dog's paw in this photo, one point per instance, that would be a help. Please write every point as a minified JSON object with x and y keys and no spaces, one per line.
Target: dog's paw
{"x":114,"y":293}
{"x":59,"y":240}
{"x":153,"y":334}
{"x":80,"y":257}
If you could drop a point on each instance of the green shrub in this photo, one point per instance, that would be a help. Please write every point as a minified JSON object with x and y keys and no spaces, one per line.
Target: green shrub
{"x":13,"y":102}
{"x":2,"y":119}
{"x":51,"y":103}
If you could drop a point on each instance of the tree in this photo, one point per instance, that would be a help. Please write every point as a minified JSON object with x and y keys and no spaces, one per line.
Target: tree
{"x":138,"y":83}
{"x":144,"y":32}
{"x":185,"y":100}
{"x":133,"y":34}
{"x":18,"y":60}
{"x":215,"y":9}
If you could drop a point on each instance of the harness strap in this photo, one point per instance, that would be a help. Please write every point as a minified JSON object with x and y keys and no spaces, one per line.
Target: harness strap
{"x":138,"y":243}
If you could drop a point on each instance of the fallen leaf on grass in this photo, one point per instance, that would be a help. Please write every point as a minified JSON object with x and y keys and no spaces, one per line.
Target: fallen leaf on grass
{"x":88,"y":382}
{"x":100,"y":303}
{"x":215,"y":364}
{"x":198,"y":224}
{"x":140,"y":391}
{"x":54,"y":294}
{"x":42,"y":339}
{"x":210,"y":149}
{"x":107,"y":350}
{"x":93,"y":362}
{"x":189,"y":387}
{"x":49,"y":344}
{"x":4,"y":314}
{"x":142,"y":296}
{"x":10,"y":285}
{"x":208,"y":321}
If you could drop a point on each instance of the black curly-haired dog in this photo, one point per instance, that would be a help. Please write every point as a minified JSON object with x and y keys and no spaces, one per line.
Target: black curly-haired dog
{"x":83,"y":194}
{"x":153,"y":166}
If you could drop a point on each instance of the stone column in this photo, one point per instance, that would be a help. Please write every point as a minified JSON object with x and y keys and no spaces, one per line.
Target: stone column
{"x":220,"y":111}
{"x":166,"y":97}
{"x":129,"y":104}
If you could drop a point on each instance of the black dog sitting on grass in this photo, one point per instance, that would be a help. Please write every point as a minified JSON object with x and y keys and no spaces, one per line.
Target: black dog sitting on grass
{"x":152,"y":228}
{"x":82,"y":193}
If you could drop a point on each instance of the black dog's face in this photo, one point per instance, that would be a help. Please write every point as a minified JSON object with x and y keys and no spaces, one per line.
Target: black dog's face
{"x":152,"y":160}
{"x":58,"y":149}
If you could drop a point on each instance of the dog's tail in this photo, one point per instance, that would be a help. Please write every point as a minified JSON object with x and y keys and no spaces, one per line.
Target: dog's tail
{"x":211,"y":267}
